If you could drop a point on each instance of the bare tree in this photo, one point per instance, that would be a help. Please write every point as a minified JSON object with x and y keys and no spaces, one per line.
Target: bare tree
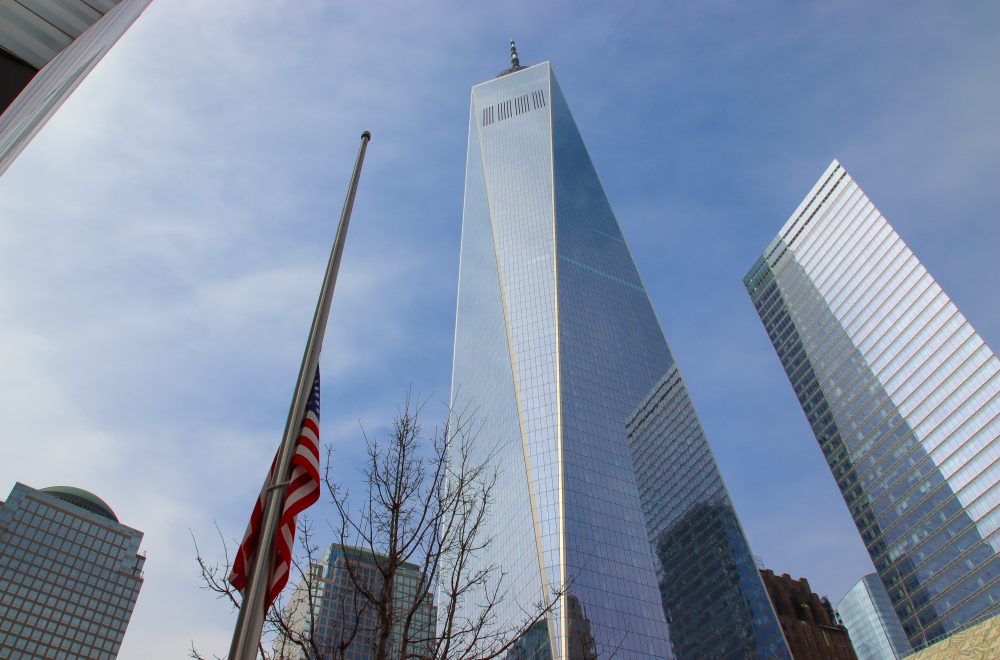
{"x":426,"y":508}
{"x":290,"y":622}
{"x":422,"y":523}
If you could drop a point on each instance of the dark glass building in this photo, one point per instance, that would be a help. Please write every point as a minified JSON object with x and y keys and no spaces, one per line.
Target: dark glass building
{"x":70,"y":574}
{"x":47,"y":47}
{"x":603,"y":464}
{"x":903,"y":396}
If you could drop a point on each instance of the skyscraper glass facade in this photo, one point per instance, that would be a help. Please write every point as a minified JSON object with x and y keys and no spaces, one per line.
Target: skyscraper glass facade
{"x":47,"y":47}
{"x":711,"y":588}
{"x":340,"y":622}
{"x":559,"y":356}
{"x":69,"y":575}
{"x":902,"y":395}
{"x":871,"y":622}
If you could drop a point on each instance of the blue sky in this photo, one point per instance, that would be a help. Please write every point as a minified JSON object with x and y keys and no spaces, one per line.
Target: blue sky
{"x":163,"y":238}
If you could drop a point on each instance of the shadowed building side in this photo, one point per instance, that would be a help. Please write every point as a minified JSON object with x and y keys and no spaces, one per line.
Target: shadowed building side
{"x":712,"y":593}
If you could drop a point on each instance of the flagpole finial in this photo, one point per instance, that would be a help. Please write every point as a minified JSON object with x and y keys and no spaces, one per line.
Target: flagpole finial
{"x":367,"y":135}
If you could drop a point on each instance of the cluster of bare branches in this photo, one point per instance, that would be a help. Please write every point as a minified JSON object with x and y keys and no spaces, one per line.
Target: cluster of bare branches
{"x":426,"y":509}
{"x":281,"y":621}
{"x":422,"y":522}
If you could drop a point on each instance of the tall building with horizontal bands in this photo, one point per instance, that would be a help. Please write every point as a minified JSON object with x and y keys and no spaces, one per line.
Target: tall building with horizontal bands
{"x":70,"y":574}
{"x":47,"y":47}
{"x":902,"y":395}
{"x":607,"y":485}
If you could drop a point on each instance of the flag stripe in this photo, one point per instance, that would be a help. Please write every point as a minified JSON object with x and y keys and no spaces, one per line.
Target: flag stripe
{"x":303,"y":491}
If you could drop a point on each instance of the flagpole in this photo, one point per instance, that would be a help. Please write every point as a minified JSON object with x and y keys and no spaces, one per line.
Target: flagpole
{"x":250,"y":622}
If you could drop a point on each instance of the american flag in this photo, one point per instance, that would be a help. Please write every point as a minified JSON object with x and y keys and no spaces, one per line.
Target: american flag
{"x":303,"y":491}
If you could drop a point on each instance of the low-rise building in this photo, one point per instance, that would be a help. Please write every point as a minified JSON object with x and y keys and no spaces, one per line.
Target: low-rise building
{"x":808,"y":621}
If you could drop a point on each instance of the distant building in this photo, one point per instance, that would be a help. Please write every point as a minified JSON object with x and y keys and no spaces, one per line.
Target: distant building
{"x":872,"y":623}
{"x":341,"y":616}
{"x":808,"y":621}
{"x":903,"y":396}
{"x":47,"y":47}
{"x":70,"y":574}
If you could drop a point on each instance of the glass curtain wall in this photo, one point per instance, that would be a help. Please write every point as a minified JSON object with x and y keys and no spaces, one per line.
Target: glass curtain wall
{"x":557,"y":347}
{"x":902,"y":395}
{"x":871,"y":622}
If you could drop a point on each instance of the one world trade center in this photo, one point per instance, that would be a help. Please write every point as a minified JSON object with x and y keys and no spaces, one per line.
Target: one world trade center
{"x":607,"y":485}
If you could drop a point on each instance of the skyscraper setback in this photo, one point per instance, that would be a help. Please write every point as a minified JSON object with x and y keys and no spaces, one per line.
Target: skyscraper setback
{"x":902,"y":395}
{"x":559,"y":355}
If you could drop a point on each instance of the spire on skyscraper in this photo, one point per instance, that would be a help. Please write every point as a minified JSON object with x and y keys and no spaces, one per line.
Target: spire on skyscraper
{"x":557,"y":342}
{"x":515,"y":63}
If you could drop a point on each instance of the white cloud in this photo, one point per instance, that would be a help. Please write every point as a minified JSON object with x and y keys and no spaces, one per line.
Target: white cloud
{"x":163,"y":246}
{"x":162,"y":239}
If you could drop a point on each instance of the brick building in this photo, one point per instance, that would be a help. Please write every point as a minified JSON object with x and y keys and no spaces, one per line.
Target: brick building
{"x":807,"y":620}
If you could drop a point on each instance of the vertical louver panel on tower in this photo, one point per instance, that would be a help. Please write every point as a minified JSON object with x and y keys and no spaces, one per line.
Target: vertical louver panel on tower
{"x":513,"y":107}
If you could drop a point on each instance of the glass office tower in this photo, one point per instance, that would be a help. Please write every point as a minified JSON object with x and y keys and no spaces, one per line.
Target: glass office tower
{"x":70,"y":574}
{"x":871,"y":621}
{"x":329,"y":611}
{"x":47,"y":47}
{"x":902,"y":395}
{"x":561,"y":360}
